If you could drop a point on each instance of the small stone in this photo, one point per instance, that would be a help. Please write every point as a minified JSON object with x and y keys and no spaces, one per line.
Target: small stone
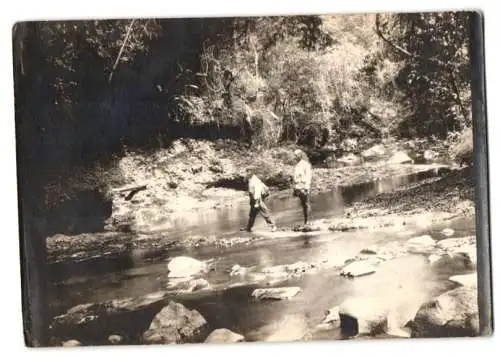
{"x":356,"y":269}
{"x":368,"y":251}
{"x":71,"y":343}
{"x":115,"y":339}
{"x":447,"y":232}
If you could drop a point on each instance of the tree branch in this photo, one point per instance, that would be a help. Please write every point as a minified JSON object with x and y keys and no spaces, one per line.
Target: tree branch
{"x":401,"y":49}
{"x":129,"y":30}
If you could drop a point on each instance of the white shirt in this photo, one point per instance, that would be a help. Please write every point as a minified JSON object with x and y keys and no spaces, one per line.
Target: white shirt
{"x":302,"y":175}
{"x":256,"y":187}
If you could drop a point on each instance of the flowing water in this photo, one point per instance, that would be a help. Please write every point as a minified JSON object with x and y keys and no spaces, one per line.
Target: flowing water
{"x":405,"y":282}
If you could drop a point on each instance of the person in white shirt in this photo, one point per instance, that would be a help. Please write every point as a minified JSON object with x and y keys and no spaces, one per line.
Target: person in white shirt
{"x":302,"y":182}
{"x":257,"y":192}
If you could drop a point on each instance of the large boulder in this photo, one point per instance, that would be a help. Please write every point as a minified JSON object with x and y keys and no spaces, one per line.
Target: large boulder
{"x":363,"y":316}
{"x":278,"y":293}
{"x":184,"y":266}
{"x":467,"y":253}
{"x":374,"y":152}
{"x":175,"y":324}
{"x":223,"y":335}
{"x":95,"y":321}
{"x":452,"y":314}
{"x":400,"y":158}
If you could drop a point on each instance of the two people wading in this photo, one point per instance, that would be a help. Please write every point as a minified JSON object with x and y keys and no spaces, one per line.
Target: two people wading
{"x":258,"y":192}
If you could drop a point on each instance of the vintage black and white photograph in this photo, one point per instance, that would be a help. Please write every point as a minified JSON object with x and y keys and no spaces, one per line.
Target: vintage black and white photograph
{"x":250,"y":179}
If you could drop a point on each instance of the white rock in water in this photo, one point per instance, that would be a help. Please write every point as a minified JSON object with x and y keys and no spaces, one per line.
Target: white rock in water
{"x":469,"y":280}
{"x":433,"y":258}
{"x":115,"y":339}
{"x":447,"y":232}
{"x":400,"y":158}
{"x":424,"y":240}
{"x":184,"y":266}
{"x":359,"y":268}
{"x":332,"y":315}
{"x":280,"y":293}
{"x":369,"y":313}
{"x":71,"y":343}
{"x":224,"y":336}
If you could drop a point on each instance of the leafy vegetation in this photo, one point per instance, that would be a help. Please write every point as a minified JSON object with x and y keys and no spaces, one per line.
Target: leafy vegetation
{"x":89,"y":89}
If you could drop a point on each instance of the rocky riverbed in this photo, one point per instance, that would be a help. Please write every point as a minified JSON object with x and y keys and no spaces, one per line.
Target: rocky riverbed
{"x":161,"y":318}
{"x":401,"y":233}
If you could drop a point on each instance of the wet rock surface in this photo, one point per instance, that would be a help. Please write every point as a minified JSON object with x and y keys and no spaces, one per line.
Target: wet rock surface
{"x":398,"y":209}
{"x":357,"y":269}
{"x":224,"y":336}
{"x":454,"y":313}
{"x":184,"y":266}
{"x":96,"y":321}
{"x":277,"y":293}
{"x":400,"y":158}
{"x":71,"y":343}
{"x":115,"y":339}
{"x":363,"y":316}
{"x":175,"y":324}
{"x":469,"y":280}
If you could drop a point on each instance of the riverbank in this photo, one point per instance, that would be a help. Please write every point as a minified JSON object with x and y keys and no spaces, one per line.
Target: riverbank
{"x":194,"y":176}
{"x":434,"y":200}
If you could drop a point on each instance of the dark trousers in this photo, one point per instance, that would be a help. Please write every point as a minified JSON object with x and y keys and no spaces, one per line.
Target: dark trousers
{"x":263,"y":210}
{"x":304,"y":203}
